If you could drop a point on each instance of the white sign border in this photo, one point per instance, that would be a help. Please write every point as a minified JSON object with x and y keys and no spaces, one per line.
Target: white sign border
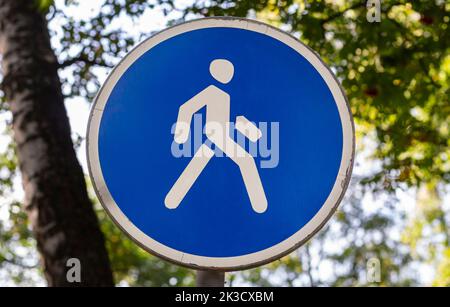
{"x":221,"y":263}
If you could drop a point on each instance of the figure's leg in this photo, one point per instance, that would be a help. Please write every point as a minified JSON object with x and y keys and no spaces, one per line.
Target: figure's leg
{"x":253,"y":184}
{"x":249,"y":173}
{"x":188,"y":177}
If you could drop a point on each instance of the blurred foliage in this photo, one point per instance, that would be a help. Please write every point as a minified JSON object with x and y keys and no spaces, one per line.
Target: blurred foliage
{"x":443,"y":276}
{"x":396,"y":76}
{"x":338,"y":254}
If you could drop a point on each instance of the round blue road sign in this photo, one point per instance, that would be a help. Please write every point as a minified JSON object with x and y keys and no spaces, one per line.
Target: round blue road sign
{"x":220,"y":143}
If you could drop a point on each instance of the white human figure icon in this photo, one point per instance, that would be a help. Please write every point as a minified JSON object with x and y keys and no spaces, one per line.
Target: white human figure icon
{"x":217,"y":130}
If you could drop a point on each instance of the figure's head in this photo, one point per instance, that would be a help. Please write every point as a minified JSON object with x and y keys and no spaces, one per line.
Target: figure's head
{"x":222,"y":70}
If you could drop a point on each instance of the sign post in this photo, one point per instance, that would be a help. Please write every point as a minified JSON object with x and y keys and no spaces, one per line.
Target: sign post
{"x":220,"y":144}
{"x":210,"y":279}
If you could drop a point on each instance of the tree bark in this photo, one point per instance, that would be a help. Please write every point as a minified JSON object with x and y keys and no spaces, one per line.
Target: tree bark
{"x":61,"y":214}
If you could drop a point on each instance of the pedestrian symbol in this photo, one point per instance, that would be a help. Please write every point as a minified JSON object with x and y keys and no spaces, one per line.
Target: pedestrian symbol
{"x":217,"y":104}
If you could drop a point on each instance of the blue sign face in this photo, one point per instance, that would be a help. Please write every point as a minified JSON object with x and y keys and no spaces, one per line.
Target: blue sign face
{"x":220,"y":143}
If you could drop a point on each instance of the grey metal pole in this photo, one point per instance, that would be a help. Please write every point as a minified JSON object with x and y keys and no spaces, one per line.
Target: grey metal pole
{"x":210,"y":279}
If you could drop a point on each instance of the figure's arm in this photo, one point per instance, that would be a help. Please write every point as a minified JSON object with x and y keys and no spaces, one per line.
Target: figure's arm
{"x":185,"y":114}
{"x":247,"y":128}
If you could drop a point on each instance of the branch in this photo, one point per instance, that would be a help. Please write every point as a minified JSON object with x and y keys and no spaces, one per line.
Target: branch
{"x":22,"y":265}
{"x":309,"y":270}
{"x":83,"y":59}
{"x":339,"y":14}
{"x":357,"y":6}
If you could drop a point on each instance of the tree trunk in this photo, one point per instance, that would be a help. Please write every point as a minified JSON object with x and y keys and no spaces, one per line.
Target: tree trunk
{"x":61,"y":214}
